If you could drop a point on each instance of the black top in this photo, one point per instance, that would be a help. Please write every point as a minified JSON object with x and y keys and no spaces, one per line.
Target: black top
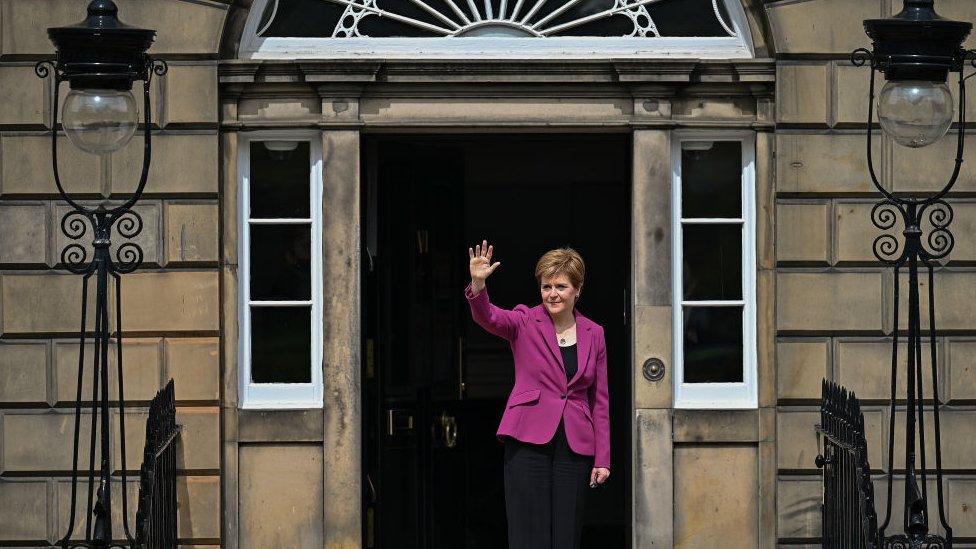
{"x":569,"y":360}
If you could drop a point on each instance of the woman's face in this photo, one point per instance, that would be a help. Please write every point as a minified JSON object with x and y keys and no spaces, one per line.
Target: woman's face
{"x":558,"y":293}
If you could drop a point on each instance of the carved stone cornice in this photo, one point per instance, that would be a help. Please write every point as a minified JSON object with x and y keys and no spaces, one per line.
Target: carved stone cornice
{"x":495,"y":93}
{"x":662,"y":71}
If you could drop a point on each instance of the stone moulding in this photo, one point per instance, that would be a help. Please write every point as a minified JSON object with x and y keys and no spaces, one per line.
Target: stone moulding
{"x":609,"y":94}
{"x":666,"y":71}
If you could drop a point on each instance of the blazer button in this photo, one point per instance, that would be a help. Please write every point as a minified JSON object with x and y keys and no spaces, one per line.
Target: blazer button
{"x":562,"y":396}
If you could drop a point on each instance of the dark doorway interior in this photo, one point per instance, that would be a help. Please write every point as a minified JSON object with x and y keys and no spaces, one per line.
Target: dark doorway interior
{"x":435,"y":383}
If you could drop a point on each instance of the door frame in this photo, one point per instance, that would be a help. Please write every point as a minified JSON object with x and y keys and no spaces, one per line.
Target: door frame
{"x":645,"y":98}
{"x":370,"y":236}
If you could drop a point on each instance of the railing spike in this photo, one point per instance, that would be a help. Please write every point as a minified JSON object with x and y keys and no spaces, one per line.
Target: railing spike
{"x":846,"y":473}
{"x":156,"y":511}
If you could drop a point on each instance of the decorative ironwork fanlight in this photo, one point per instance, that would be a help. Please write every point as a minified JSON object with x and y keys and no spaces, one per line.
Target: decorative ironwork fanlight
{"x":100,"y":58}
{"x":915,"y":50}
{"x":494,"y":18}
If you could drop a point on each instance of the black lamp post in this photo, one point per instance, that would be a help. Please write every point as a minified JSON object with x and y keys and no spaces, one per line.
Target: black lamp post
{"x":915,"y":50}
{"x":100,"y":58}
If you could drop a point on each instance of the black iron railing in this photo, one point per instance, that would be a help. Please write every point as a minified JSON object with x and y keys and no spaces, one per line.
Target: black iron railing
{"x":156,"y":515}
{"x":849,"y":517}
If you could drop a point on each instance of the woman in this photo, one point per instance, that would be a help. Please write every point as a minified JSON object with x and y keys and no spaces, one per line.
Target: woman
{"x":556,"y":425}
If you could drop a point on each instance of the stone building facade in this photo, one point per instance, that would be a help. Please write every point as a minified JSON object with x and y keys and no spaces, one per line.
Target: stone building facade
{"x":258,"y":477}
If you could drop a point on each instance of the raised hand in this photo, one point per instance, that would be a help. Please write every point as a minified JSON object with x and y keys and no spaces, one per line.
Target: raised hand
{"x":480,"y":264}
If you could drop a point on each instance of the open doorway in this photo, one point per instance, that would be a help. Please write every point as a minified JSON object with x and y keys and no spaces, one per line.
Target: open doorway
{"x":435,"y":383}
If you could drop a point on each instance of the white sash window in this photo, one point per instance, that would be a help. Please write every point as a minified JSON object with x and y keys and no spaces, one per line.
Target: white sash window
{"x":714,"y":271}
{"x":280,"y":279}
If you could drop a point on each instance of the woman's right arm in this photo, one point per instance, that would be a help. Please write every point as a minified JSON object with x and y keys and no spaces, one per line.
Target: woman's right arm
{"x":495,"y":320}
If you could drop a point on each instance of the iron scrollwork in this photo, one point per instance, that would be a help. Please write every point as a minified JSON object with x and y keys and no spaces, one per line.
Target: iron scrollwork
{"x":99,"y":222}
{"x":901,"y":541}
{"x":446,"y":20}
{"x":940,"y":240}
{"x":128,"y":256}
{"x":929,"y":241}
{"x":861,"y":57}
{"x":887,"y":248}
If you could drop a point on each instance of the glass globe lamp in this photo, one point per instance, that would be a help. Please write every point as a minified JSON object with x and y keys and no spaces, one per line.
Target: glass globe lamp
{"x":100,"y":121}
{"x":915,"y":113}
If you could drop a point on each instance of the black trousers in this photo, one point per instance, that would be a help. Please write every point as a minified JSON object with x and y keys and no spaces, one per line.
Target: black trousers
{"x":545,"y":489}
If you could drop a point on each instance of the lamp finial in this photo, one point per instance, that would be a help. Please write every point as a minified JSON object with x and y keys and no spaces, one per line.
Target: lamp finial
{"x":102,"y":8}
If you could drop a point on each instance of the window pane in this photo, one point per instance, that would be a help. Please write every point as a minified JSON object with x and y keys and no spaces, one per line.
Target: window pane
{"x":281,"y":345}
{"x":303,"y":18}
{"x":279,"y":181}
{"x":711,"y":180}
{"x":281,"y":262}
{"x":712,"y":262}
{"x":688,"y":18}
{"x":713,"y":344}
{"x":619,"y":25}
{"x":385,"y":26}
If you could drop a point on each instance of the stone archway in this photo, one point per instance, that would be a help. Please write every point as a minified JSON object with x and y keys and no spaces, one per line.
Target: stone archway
{"x":648,"y":98}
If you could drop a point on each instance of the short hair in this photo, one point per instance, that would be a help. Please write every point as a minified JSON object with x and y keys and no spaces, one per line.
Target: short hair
{"x":563,"y":260}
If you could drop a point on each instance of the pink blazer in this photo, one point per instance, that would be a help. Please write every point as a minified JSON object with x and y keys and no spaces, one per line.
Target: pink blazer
{"x":541,"y":395}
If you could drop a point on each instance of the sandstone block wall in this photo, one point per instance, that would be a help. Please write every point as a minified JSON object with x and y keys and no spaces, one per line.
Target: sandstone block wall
{"x":171,"y":306}
{"x":834,"y":301}
{"x":832,"y":313}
